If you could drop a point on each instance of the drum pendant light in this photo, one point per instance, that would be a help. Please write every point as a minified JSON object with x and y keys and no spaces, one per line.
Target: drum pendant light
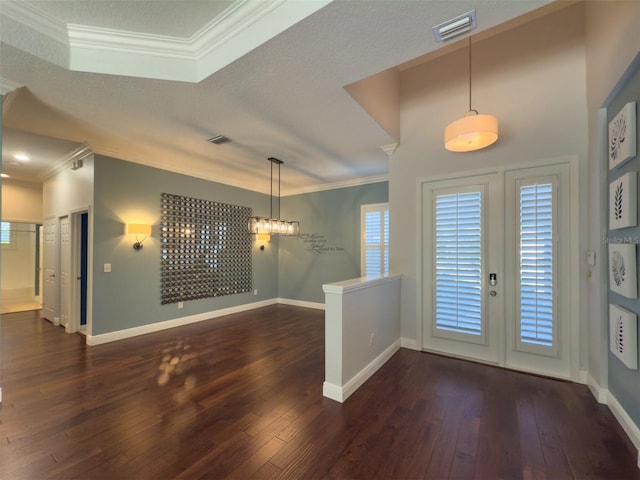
{"x":473,"y":131}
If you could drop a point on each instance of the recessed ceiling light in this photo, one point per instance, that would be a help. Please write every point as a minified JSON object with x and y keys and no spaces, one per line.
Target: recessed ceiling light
{"x":4,"y":175}
{"x":22,"y":157}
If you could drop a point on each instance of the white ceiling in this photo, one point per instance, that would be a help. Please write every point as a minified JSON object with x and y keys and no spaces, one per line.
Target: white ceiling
{"x":276,"y":86}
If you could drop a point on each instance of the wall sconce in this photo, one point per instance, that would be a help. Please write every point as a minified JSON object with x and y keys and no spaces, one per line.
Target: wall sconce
{"x":262,"y":238}
{"x":138,"y":229}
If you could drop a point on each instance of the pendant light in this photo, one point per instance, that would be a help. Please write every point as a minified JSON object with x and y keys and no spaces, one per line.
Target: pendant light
{"x":473,"y":131}
{"x":271,"y":225}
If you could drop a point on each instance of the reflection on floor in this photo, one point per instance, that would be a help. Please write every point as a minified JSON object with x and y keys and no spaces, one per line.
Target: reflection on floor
{"x":15,"y":307}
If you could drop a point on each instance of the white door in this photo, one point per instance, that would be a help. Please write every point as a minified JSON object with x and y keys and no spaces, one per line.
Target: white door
{"x":65,"y":270}
{"x":49,"y":260}
{"x":495,"y":269}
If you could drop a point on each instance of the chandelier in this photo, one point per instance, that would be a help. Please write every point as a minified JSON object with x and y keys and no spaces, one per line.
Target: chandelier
{"x":271,"y":225}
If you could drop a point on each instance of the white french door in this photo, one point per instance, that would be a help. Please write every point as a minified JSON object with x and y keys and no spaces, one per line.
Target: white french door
{"x":496,"y":269}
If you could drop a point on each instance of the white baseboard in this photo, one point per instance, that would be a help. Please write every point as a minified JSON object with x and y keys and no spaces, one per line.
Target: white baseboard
{"x":301,"y":303}
{"x":409,"y":343}
{"x":176,"y":322}
{"x":604,"y":396}
{"x":340,"y":394}
{"x":597,"y":391}
{"x":627,"y":424}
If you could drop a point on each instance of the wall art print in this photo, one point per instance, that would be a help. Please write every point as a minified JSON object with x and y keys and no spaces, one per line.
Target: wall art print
{"x":623,"y":211}
{"x":622,"y":136}
{"x":623,"y":335}
{"x":622,"y":269}
{"x":205,"y":249}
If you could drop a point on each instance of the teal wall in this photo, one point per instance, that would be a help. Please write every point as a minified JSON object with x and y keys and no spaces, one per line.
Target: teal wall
{"x":129,"y":296}
{"x":333,"y":254}
{"x":623,"y":382}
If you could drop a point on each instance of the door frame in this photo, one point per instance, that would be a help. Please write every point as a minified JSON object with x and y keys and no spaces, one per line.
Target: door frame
{"x":575,"y":347}
{"x":76,"y":250}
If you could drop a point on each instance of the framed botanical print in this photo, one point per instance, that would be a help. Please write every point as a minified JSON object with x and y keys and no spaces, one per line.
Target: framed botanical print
{"x":622,"y":269}
{"x":623,"y":211}
{"x":622,"y":136}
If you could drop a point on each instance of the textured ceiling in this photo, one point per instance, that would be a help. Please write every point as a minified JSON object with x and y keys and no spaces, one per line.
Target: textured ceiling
{"x":285,"y":98}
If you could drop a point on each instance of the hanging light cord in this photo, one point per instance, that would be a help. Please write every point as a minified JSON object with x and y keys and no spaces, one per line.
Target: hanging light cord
{"x":470,"y":109}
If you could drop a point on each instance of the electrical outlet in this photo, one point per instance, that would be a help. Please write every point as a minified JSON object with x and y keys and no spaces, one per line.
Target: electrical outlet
{"x":371,"y":339}
{"x":255,"y":292}
{"x":107,"y":268}
{"x":180,"y":304}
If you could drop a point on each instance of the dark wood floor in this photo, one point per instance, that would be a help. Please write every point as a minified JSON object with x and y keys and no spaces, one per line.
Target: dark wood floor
{"x":241,"y":397}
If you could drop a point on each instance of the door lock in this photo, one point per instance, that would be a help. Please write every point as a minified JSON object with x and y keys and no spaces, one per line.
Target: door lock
{"x":493,"y":293}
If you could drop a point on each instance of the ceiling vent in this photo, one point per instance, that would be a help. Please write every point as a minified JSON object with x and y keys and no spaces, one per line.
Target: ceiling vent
{"x":218,"y":139}
{"x":456,"y":26}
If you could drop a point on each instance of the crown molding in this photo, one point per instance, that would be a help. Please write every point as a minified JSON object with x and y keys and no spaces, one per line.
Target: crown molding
{"x":354,"y":182}
{"x":66,"y":161}
{"x":242,"y":27}
{"x":7,"y":86}
{"x":390,"y":148}
{"x":35,"y":19}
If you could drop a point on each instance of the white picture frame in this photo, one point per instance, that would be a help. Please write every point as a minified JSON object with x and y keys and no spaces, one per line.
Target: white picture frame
{"x":622,"y":136}
{"x":622,"y":269}
{"x":623,"y":335}
{"x":623,"y":195}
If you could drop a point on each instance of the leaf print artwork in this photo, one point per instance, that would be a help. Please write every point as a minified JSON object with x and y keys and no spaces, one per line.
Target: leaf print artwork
{"x":622,"y":135}
{"x":622,"y":269}
{"x":618,"y":268}
{"x":617,"y":207}
{"x":618,"y":136}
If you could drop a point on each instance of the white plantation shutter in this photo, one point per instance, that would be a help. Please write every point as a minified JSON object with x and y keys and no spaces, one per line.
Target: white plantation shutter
{"x":5,"y":233}
{"x":536,"y":265}
{"x":458,"y":252}
{"x":375,"y":239}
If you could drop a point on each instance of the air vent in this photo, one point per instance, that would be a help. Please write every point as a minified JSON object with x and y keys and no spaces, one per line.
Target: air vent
{"x":455,"y":26}
{"x":623,"y":335}
{"x":218,"y":139}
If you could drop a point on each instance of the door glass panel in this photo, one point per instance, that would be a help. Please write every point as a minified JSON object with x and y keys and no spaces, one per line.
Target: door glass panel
{"x":536,"y":265}
{"x":458,"y":252}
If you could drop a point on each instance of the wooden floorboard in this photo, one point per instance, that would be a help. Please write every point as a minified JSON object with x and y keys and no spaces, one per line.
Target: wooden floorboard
{"x":241,"y":397}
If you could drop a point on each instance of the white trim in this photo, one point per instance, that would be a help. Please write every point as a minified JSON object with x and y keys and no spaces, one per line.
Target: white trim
{"x":409,"y":343}
{"x":348,"y":286}
{"x":597,"y":391}
{"x":8,"y":86}
{"x":176,"y":322}
{"x":340,"y":394}
{"x":301,"y":303}
{"x":389,"y":148}
{"x":242,"y":27}
{"x":604,"y":396}
{"x":354,"y":182}
{"x":83,"y":151}
{"x":0,"y":394}
{"x":35,"y":19}
{"x":625,"y":421}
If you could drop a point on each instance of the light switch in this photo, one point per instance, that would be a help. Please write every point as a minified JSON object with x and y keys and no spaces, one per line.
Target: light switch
{"x":107,"y":268}
{"x":591,"y":258}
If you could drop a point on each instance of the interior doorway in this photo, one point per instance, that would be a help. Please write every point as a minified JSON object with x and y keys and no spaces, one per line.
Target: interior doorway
{"x":21,"y":271}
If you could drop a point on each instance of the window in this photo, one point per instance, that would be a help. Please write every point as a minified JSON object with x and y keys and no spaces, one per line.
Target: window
{"x":536,"y":264}
{"x":7,"y":238}
{"x":458,"y":255}
{"x":375,"y":239}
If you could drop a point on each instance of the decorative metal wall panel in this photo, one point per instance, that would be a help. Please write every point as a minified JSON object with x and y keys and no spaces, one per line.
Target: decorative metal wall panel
{"x":205,"y":248}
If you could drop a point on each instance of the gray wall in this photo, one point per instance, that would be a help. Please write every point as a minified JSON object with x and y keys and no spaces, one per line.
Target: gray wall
{"x":623,"y":382}
{"x":329,"y":247}
{"x":129,"y":296}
